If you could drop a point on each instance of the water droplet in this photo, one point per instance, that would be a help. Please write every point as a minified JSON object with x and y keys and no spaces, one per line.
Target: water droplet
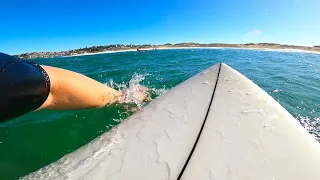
{"x":267,"y":125}
{"x":253,"y":111}
{"x":276,"y":90}
{"x":204,"y":73}
{"x":206,"y":82}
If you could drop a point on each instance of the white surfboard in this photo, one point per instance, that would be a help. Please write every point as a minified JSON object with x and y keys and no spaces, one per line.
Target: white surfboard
{"x":216,"y":125}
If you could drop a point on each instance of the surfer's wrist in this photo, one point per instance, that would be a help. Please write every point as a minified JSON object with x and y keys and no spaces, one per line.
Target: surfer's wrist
{"x":113,"y":97}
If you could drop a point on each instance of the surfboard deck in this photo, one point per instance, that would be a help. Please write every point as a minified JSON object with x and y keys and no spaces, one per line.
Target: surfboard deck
{"x":249,"y":135}
{"x":216,"y":125}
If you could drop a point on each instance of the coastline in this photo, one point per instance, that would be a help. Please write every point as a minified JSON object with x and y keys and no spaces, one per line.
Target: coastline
{"x":247,"y":48}
{"x":94,"y":50}
{"x":168,"y":48}
{"x":103,"y":52}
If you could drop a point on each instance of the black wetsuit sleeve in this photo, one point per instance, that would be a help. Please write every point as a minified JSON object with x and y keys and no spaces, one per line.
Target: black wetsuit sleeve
{"x":24,"y":87}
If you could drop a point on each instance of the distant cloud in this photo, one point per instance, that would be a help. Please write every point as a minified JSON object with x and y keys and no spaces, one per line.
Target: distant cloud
{"x":252,"y":35}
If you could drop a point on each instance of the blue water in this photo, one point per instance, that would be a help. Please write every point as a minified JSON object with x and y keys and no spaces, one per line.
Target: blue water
{"x":37,"y":139}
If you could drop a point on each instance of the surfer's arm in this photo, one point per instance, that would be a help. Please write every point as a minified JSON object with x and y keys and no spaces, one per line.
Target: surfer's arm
{"x":71,"y":90}
{"x":26,"y":86}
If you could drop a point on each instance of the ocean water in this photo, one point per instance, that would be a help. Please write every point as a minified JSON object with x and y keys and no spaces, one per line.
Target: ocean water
{"x":39,"y":138}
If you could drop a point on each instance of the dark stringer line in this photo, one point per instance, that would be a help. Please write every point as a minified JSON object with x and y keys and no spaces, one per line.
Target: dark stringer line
{"x":204,"y":122}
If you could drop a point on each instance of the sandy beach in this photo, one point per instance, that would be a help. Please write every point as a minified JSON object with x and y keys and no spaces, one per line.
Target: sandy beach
{"x":167,"y":48}
{"x":104,"y":52}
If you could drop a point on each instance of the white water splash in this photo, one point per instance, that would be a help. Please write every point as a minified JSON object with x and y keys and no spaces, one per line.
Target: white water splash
{"x":134,"y":89}
{"x":311,"y":125}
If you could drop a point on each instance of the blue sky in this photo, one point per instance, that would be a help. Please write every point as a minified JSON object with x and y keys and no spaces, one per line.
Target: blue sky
{"x":54,"y":25}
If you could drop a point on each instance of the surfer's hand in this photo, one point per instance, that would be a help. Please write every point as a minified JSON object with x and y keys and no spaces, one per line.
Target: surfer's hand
{"x":137,"y":95}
